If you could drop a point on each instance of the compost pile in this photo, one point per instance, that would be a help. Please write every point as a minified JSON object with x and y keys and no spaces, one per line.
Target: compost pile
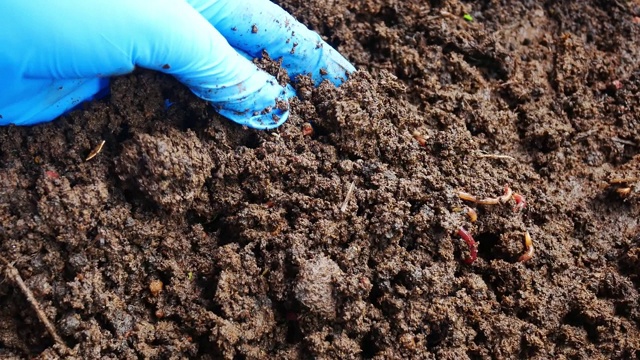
{"x":336,"y":236}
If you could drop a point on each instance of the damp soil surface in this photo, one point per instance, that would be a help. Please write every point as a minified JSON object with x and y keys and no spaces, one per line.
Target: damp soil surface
{"x":336,"y":236}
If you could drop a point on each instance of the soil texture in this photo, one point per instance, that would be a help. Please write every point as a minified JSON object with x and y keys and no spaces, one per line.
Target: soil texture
{"x":337,"y":235}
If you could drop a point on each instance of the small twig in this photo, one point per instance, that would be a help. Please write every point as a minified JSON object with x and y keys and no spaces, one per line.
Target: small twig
{"x":343,"y":208}
{"x":493,"y":156}
{"x":623,"y":180}
{"x":623,"y":141}
{"x":13,"y":274}
{"x":445,"y":13}
{"x":507,"y":83}
{"x":95,"y":151}
{"x":584,"y":134}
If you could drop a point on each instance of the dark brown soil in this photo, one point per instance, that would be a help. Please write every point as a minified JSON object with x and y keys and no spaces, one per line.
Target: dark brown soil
{"x":189,"y":236}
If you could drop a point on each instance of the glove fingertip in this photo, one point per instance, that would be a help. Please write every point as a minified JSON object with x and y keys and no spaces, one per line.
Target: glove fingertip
{"x":260,"y":121}
{"x":269,"y":117}
{"x":336,"y":69}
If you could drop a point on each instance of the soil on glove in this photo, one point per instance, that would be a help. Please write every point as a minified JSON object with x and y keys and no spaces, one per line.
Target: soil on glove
{"x":336,"y":236}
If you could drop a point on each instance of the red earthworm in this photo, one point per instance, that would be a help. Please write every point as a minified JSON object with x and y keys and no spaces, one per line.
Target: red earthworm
{"x":520,"y":202}
{"x":473,"y":245}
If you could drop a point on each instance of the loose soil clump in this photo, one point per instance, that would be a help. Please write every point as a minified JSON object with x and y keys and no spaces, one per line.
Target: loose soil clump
{"x":190,"y":236}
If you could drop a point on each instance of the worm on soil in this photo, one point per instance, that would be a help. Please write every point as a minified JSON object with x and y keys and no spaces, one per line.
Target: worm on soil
{"x":466,"y":196}
{"x":473,"y":245}
{"x":472,"y":214}
{"x":529,"y":248}
{"x":520,"y":202}
{"x":488,"y":201}
{"x":507,"y":194}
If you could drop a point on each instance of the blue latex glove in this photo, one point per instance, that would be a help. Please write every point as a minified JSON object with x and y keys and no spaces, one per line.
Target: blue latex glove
{"x":56,"y":54}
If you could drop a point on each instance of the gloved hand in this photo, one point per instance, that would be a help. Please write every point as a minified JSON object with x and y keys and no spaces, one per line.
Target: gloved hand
{"x":56,"y":54}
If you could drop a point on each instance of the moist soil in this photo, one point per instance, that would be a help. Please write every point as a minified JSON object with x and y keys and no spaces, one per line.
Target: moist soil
{"x":336,"y":236}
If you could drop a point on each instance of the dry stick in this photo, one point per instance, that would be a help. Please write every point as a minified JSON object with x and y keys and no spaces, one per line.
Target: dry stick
{"x":343,"y":208}
{"x":623,"y":180}
{"x":623,"y":141}
{"x":585,"y":134}
{"x":493,"y":156}
{"x":13,"y":274}
{"x":95,"y":151}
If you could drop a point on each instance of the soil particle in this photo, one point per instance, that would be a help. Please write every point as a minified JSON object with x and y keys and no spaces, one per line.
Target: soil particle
{"x":314,"y":288}
{"x":67,"y":211}
{"x":168,"y":168}
{"x":155,"y":287}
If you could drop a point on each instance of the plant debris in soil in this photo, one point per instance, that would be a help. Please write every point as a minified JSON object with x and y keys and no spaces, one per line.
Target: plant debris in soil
{"x":335,"y":236}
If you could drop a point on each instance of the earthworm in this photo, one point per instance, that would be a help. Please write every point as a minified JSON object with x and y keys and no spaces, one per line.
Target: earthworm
{"x":473,"y":245}
{"x":472,"y":214}
{"x":529,"y":248}
{"x":520,"y":202}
